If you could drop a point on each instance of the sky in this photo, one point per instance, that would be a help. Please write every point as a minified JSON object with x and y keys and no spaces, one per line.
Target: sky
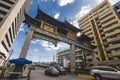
{"x":71,"y":10}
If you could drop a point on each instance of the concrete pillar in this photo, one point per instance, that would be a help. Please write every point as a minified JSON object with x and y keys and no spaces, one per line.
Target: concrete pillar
{"x":94,"y":59}
{"x":72,"y":58}
{"x":26,"y":44}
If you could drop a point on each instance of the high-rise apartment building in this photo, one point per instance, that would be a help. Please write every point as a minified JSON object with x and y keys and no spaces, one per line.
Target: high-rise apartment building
{"x":117,"y":8}
{"x":11,"y":17}
{"x":103,"y":26}
{"x":63,"y":57}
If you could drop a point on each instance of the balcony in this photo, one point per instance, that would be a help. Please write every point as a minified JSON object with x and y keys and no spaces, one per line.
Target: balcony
{"x":89,"y":57}
{"x":108,"y":49}
{"x":105,"y":43}
{"x":78,"y":49}
{"x":95,"y":50}
{"x":87,"y":29}
{"x":106,"y":14}
{"x":83,"y":20}
{"x":4,"y":9}
{"x":109,"y":22}
{"x":113,"y":39}
{"x":112,"y":27}
{"x":116,"y":53}
{"x":102,"y":33}
{"x":109,"y":55}
{"x":6,"y":3}
{"x":84,"y":27}
{"x":1,"y":16}
{"x":115,"y":46}
{"x":89,"y":32}
{"x":115,"y":32}
{"x":103,"y":38}
{"x":85,"y":23}
{"x":90,"y":62}
{"x":101,"y":9}
{"x":78,"y":55}
{"x":99,"y":24}
{"x":100,"y":28}
{"x":107,"y":18}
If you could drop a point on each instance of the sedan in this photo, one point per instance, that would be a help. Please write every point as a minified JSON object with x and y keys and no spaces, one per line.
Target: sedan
{"x":51,"y":71}
{"x":61,"y":70}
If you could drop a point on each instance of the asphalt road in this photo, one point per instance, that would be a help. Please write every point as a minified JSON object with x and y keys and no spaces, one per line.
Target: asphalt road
{"x":38,"y":74}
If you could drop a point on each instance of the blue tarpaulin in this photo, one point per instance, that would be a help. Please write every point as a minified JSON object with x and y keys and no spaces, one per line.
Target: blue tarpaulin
{"x":20,"y":61}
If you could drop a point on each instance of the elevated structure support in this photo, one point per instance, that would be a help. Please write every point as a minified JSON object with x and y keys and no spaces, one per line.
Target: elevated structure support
{"x":26,"y":44}
{"x":72,"y":58}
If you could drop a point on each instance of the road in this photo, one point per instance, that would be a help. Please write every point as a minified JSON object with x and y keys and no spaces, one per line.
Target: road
{"x":38,"y":74}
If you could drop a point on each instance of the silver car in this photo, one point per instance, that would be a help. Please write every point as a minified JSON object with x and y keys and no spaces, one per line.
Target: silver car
{"x":105,"y":72}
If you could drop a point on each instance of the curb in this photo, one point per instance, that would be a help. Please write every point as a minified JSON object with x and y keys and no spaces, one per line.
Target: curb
{"x":85,"y":76}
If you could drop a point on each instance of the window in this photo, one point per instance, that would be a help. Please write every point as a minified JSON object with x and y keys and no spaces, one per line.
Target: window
{"x":117,"y":7}
{"x":119,"y":13}
{"x":3,"y":12}
{"x":13,"y":29}
{"x":10,"y":34}
{"x":109,"y":69}
{"x":1,"y":19}
{"x":6,"y":36}
{"x":3,"y":43}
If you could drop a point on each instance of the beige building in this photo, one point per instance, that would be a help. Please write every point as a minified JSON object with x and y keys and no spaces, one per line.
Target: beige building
{"x":83,"y":58}
{"x":11,"y":17}
{"x":103,"y":26}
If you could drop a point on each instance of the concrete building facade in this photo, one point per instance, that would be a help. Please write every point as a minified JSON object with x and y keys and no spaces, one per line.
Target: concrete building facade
{"x":63,"y":57}
{"x":11,"y":17}
{"x":103,"y":26}
{"x":117,"y":8}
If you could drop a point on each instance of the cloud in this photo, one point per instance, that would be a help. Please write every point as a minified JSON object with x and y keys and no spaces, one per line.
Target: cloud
{"x":48,"y":46}
{"x":21,"y":28}
{"x":99,"y":1}
{"x":44,"y":0}
{"x":64,"y":2}
{"x":53,"y":0}
{"x":86,"y":8}
{"x":35,"y":41}
{"x":36,"y":50}
{"x":82,"y":12}
{"x":111,"y":1}
{"x":114,"y":1}
{"x":31,"y":3}
{"x":56,"y":16}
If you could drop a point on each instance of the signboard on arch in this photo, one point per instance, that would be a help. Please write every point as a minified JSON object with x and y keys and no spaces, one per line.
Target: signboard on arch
{"x":48,"y":28}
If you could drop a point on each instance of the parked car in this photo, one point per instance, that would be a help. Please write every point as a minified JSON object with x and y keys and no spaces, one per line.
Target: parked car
{"x":32,"y":67}
{"x":61,"y":70}
{"x":51,"y":71}
{"x":105,"y":72}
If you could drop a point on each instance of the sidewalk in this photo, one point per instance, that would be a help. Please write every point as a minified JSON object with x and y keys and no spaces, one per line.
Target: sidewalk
{"x":85,"y":76}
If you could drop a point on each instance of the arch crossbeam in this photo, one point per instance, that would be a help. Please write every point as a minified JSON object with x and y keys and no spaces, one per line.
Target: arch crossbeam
{"x":40,"y":33}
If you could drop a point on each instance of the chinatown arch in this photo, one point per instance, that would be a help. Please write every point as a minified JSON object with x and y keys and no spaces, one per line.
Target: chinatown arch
{"x":47,"y":28}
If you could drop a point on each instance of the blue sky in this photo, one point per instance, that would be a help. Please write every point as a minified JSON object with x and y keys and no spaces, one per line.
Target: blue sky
{"x":71,"y":10}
